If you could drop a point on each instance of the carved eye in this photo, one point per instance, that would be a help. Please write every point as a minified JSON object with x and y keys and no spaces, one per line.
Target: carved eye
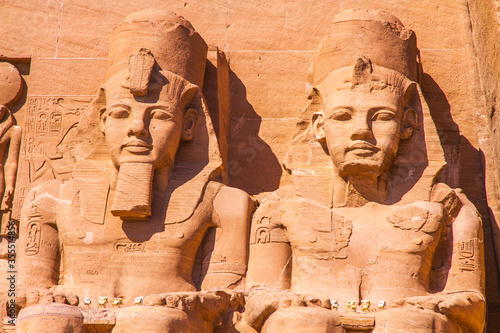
{"x":383,"y":116}
{"x":119,"y":113}
{"x":160,"y":114}
{"x":341,"y":115}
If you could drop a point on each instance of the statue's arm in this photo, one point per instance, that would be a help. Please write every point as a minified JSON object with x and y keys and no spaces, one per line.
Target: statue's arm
{"x":269,"y":264}
{"x":228,"y":260}
{"x":467,"y":272}
{"x":467,"y":264}
{"x":462,"y":298}
{"x":11,"y":163}
{"x":38,"y":241}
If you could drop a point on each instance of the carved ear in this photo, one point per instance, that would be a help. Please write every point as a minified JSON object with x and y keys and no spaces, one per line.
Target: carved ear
{"x":411,"y":103}
{"x":100,"y":105}
{"x":102,"y":119}
{"x":318,"y":126}
{"x":315,"y":106}
{"x":408,"y":124}
{"x":190,"y":124}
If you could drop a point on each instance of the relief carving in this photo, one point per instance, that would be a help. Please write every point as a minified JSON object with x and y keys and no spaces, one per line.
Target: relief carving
{"x":33,"y":238}
{"x":123,"y":237}
{"x":10,"y":140}
{"x":370,"y":155}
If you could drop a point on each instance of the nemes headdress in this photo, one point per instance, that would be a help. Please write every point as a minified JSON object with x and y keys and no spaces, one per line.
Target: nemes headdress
{"x":169,"y":38}
{"x":367,"y":51}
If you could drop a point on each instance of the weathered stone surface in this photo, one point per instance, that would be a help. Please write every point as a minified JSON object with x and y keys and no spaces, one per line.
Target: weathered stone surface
{"x":261,"y":83}
{"x":23,"y":36}
{"x":432,"y":32}
{"x":49,"y":73}
{"x":79,"y":34}
{"x":290,"y":20}
{"x":61,"y":51}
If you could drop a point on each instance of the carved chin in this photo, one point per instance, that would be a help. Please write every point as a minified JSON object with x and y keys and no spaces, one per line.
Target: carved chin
{"x":127,"y":157}
{"x":361,"y":168}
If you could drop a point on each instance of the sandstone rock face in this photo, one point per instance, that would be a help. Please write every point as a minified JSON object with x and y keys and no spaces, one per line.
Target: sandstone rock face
{"x":127,"y":208}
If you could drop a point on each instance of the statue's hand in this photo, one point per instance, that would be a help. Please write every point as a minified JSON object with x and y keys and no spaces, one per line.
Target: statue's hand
{"x":7,"y":197}
{"x":459,"y":306}
{"x":261,"y":304}
{"x":443,"y":303}
{"x":41,"y":296}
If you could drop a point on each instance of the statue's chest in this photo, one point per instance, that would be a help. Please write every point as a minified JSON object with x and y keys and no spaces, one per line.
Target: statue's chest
{"x":127,"y":237}
{"x":355,"y":233}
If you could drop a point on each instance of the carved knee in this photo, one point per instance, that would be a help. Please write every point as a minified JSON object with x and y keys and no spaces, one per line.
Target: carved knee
{"x":54,"y":318}
{"x":159,"y":319}
{"x":413,"y":321}
{"x":303,"y":319}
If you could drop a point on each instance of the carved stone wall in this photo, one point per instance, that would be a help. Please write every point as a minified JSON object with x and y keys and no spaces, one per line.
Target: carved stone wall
{"x":60,"y":48}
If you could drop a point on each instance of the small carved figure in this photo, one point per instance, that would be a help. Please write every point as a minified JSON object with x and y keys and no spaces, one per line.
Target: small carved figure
{"x":365,"y":221}
{"x":10,"y":138}
{"x":141,"y":227}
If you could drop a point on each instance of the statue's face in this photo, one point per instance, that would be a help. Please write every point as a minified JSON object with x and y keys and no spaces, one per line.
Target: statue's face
{"x":362,"y":130}
{"x":141,"y":129}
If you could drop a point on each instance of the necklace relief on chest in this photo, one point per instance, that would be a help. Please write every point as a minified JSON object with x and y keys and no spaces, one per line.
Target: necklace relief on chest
{"x":330,"y":231}
{"x":413,"y":218}
{"x":342,"y":231}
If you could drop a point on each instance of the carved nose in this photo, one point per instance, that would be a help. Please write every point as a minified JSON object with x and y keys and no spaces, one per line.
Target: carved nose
{"x":362,"y":132}
{"x":138,"y":129}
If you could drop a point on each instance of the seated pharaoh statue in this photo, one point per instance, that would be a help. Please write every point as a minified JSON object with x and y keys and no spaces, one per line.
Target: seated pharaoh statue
{"x":366,"y":239}
{"x":141,"y":227}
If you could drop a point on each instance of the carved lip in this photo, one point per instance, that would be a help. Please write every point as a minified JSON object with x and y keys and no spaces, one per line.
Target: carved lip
{"x":362,"y":149}
{"x":363,"y":146}
{"x":138,"y":146}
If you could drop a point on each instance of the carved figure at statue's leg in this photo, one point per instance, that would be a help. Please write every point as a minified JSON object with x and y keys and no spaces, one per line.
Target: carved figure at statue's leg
{"x":10,"y":140}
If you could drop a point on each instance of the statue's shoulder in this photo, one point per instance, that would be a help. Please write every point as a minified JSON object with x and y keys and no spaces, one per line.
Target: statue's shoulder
{"x":15,"y":130}
{"x":42,"y":200}
{"x":215,"y":191}
{"x":268,"y":225}
{"x":273,"y":205}
{"x":452,"y":199}
{"x":214,"y":188}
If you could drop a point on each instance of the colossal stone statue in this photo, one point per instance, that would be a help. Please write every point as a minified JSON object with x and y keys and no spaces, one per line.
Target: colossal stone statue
{"x":140,"y":222}
{"x":366,"y":239}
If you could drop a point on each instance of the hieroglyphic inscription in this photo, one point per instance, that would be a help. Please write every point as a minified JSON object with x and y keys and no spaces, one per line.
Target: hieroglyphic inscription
{"x":46,"y":113}
{"x":34,"y":232}
{"x":129,"y":247}
{"x":49,"y":126}
{"x":467,"y":257}
{"x":41,"y":124}
{"x":55,"y":123}
{"x":262,"y":235}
